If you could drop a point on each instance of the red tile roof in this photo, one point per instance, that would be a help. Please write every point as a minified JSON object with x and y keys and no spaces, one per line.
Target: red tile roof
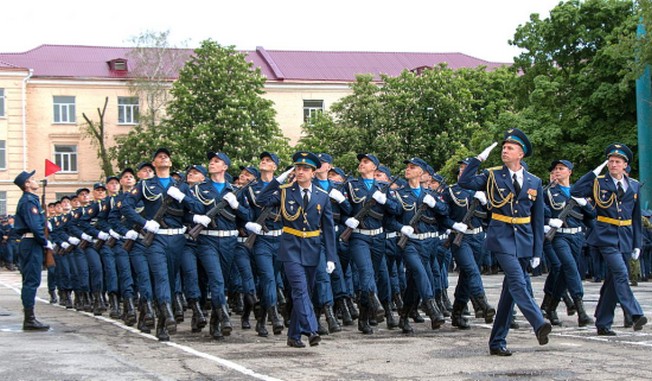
{"x":70,"y":61}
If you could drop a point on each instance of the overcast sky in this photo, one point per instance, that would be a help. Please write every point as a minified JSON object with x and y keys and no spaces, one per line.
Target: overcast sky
{"x":475,"y":27}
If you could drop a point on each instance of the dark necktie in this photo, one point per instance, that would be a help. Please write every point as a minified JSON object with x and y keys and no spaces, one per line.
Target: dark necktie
{"x":517,"y":186}
{"x":305,"y":199}
{"x":620,"y":192}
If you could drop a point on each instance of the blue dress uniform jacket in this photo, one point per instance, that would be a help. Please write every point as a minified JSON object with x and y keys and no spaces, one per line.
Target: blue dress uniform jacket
{"x":555,"y":201}
{"x":296,"y":221}
{"x":208,"y":197}
{"x":359,"y":194}
{"x":618,"y":223}
{"x":523,"y":239}
{"x":30,"y":218}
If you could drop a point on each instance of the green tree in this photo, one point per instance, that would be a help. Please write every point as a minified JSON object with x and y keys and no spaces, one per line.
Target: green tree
{"x":216,"y":105}
{"x":96,"y":133}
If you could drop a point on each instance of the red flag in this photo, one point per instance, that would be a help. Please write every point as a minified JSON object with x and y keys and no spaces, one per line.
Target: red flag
{"x":51,"y":168}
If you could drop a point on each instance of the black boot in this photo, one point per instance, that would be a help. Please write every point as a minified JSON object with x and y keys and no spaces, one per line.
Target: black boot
{"x":214,"y":328}
{"x":249,"y":302}
{"x":331,"y":320}
{"x":457,"y":319}
{"x":87,"y":306}
{"x":439,"y":300}
{"x":141,"y":318}
{"x":198,"y":320}
{"x":404,"y":319}
{"x":261,"y":321}
{"x":320,"y":327}
{"x":69,"y":304}
{"x":398,"y":301}
{"x":552,"y":312}
{"x":570,"y":304}
{"x":389,"y":317}
{"x":435,"y":314}
{"x":97,"y":304}
{"x":277,"y":323}
{"x":376,"y":309}
{"x":150,"y":315}
{"x":545,"y":304}
{"x":31,"y":324}
{"x":352,"y":308}
{"x":165,"y":322}
{"x":628,"y":321}
{"x":477,"y":310}
{"x":583,"y":319}
{"x":178,"y":308}
{"x":487,"y":310}
{"x":342,"y":308}
{"x":53,"y":297}
{"x":114,"y":306}
{"x":363,"y":321}
{"x":446,"y":300}
{"x":284,"y":306}
{"x":225,"y":320}
{"x":238,"y":306}
{"x":415,"y":315}
{"x":129,"y":311}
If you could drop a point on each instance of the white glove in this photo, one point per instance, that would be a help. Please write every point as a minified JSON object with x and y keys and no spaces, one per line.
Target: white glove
{"x":599,"y":168}
{"x":86,"y":237}
{"x":114,"y":234}
{"x":555,"y":223}
{"x":485,"y":154}
{"x":103,"y":236}
{"x":448,"y":231}
{"x":176,"y":194}
{"x":336,"y":195}
{"x":481,"y":196}
{"x":407,"y":230}
{"x":636,"y":253}
{"x":74,"y":240}
{"x":535,"y":262}
{"x":201,"y":219}
{"x":460,"y":227}
{"x":65,"y":245}
{"x":429,"y":200}
{"x":49,"y":226}
{"x":581,"y":201}
{"x":232,"y":200}
{"x":330,"y":267}
{"x":49,"y":245}
{"x":152,"y":226}
{"x":546,"y":229}
{"x":131,"y":235}
{"x":283,"y":176}
{"x":352,"y":222}
{"x":254,"y":227}
{"x":380,"y":197}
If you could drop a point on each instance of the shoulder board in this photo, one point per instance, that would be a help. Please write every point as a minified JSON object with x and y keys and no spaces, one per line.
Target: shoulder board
{"x":533,"y":175}
{"x":633,"y":180}
{"x":495,"y":168}
{"x":320,"y":190}
{"x":285,"y":186}
{"x":600,"y":177}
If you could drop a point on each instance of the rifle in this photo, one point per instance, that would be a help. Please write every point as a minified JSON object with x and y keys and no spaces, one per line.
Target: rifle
{"x":99,"y":244}
{"x":362,"y":213}
{"x":215,"y":210}
{"x":251,"y":238}
{"x":413,"y":222}
{"x":158,"y":217}
{"x":468,"y":217}
{"x":568,"y":210}
{"x":48,"y":254}
{"x":111,"y":242}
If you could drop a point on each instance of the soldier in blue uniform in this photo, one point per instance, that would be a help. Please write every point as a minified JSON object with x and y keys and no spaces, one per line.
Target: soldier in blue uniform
{"x":30,"y":223}
{"x":307,"y":222}
{"x":515,"y":233}
{"x":566,"y":244}
{"x":616,"y":233}
{"x":167,"y":246}
{"x":367,"y":242}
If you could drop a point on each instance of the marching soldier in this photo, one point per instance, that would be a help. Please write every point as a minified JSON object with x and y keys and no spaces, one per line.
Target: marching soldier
{"x":30,"y":223}
{"x":307,"y":221}
{"x":515,"y":232}
{"x":616,"y":233}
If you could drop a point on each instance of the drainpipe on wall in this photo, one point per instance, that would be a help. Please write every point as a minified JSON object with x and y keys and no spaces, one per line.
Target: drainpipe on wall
{"x":31,"y":72}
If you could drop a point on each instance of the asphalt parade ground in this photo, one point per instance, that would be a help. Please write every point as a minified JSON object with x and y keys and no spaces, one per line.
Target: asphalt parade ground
{"x":80,"y":346}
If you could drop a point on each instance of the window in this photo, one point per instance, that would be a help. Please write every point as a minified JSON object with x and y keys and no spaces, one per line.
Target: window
{"x":3,"y":154}
{"x":2,"y":102}
{"x":66,"y":158}
{"x":64,"y":109}
{"x":3,"y":203}
{"x":311,"y":108}
{"x":128,"y":110}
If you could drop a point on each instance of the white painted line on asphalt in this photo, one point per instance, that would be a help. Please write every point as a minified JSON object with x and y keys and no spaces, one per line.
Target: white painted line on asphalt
{"x":611,"y":339}
{"x":220,"y":361}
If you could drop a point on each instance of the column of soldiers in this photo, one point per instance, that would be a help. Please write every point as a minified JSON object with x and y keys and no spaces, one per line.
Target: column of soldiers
{"x":147,"y":245}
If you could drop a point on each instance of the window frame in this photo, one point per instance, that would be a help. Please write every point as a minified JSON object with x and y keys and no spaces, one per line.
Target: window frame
{"x":310,"y":111}
{"x":68,"y":156}
{"x":3,"y":155}
{"x":3,"y":102}
{"x":60,"y":108}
